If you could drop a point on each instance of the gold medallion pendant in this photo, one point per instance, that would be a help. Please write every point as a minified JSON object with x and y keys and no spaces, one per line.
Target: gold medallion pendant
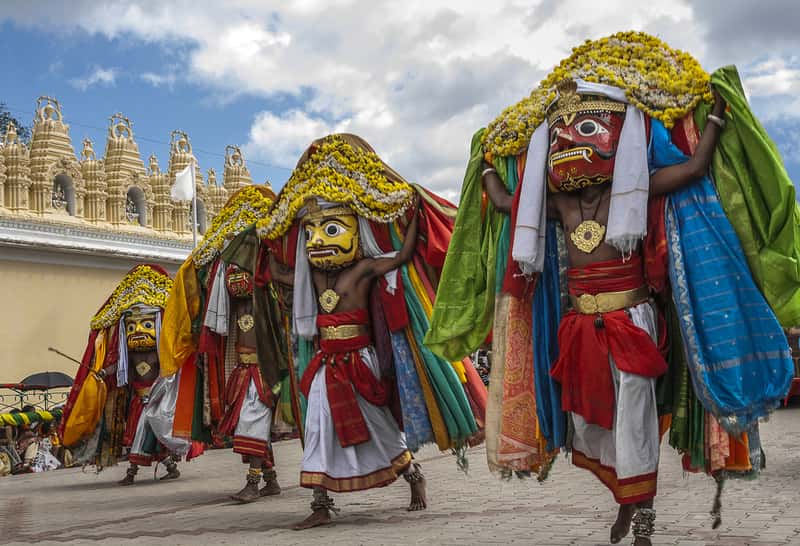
{"x":246,"y":322}
{"x":328,"y":300}
{"x":588,"y":236}
{"x":143,"y":368}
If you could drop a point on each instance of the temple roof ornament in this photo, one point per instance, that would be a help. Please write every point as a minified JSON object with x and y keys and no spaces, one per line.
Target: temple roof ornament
{"x":50,"y":138}
{"x":122,"y":157}
{"x":181,"y":154}
{"x":87,"y":153}
{"x":236,"y":175}
{"x":152,"y":165}
{"x":11,"y":137}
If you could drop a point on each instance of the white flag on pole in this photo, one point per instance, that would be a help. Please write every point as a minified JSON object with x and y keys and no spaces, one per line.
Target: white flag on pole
{"x":183,"y":188}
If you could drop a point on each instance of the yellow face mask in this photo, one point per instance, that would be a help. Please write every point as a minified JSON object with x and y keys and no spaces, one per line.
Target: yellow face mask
{"x":331,"y":238}
{"x":140,"y":331}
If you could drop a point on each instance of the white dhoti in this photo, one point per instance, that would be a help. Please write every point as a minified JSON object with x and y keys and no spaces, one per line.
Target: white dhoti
{"x":252,"y":434}
{"x":159,"y":415}
{"x":625,"y":458}
{"x":374,"y":463}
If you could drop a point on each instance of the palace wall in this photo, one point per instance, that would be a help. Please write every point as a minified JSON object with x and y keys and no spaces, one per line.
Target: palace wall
{"x":47,"y":300}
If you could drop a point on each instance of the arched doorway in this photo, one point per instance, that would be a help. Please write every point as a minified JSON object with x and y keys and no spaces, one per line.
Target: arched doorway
{"x":62,"y":197}
{"x":201,"y":217}
{"x":136,"y":206}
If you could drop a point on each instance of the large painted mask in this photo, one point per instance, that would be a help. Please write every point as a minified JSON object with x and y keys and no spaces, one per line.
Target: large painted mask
{"x":331,"y":236}
{"x":239,"y":282}
{"x":584,"y":133}
{"x":140,"y":330}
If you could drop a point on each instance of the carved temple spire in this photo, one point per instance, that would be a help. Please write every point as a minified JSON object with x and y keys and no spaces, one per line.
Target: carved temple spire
{"x":17,"y":162}
{"x":52,"y":154}
{"x":94,"y":177}
{"x":236,"y":175}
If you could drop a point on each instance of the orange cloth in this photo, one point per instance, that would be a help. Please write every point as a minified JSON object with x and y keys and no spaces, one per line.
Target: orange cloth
{"x":520,"y":445}
{"x":88,"y":408}
{"x":183,"y":306}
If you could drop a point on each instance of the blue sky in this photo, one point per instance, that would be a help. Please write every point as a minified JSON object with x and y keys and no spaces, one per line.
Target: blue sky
{"x":44,"y":63}
{"x":416,"y":78}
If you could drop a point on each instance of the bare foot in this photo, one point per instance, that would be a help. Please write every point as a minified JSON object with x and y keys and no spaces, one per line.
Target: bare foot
{"x":248,"y":494}
{"x":642,"y":541}
{"x":418,"y":499}
{"x":271,"y":487}
{"x":622,"y":526}
{"x":173,"y":474}
{"x":317,"y":518}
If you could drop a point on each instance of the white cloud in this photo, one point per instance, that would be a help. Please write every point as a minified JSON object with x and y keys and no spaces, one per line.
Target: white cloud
{"x":98,"y":76}
{"x":775,"y":76}
{"x":158,"y":80}
{"x":416,"y":78}
{"x":282,"y":139}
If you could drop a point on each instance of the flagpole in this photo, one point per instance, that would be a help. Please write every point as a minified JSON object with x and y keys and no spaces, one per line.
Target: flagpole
{"x":194,"y":206}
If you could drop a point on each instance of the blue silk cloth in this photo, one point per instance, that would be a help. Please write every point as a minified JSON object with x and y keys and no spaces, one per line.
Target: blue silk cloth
{"x":416,"y":422}
{"x":546,"y":318}
{"x":737,"y":353}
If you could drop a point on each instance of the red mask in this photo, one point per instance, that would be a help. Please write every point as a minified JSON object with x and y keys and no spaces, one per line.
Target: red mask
{"x":582,"y":151}
{"x":240,"y":283}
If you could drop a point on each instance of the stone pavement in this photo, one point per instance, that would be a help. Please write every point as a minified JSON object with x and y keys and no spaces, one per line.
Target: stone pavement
{"x":75,"y":507}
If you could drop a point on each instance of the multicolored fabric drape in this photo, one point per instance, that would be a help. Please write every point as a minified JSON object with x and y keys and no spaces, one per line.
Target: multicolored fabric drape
{"x":738,"y":378}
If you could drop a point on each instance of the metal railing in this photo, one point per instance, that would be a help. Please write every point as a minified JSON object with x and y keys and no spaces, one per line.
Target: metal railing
{"x":45,"y":399}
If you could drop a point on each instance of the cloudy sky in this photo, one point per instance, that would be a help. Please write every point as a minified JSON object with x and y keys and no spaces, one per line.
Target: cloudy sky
{"x":415,"y":78}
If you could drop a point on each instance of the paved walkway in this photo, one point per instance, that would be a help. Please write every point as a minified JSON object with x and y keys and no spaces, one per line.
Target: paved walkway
{"x":75,"y":507}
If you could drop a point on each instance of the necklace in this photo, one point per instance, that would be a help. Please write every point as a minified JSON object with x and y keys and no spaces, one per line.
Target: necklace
{"x":329,"y":299}
{"x":589,"y":233}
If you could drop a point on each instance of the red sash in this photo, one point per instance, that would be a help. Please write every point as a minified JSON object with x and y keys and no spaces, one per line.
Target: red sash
{"x":345,"y":371}
{"x":583,"y":367}
{"x":236,"y":392}
{"x":135,"y":410}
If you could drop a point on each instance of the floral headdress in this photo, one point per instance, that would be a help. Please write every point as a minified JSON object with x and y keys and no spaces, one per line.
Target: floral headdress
{"x":144,"y":285}
{"x":664,"y":83}
{"x":340,"y":169}
{"x":243,"y":209}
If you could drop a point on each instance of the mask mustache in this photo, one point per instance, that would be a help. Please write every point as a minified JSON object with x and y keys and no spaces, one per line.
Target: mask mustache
{"x":338,"y":248}
{"x":584,"y":151}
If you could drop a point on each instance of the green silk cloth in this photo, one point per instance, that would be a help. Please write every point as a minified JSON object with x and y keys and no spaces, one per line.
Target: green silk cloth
{"x":464,"y":304}
{"x":688,"y":425}
{"x":758,"y":197}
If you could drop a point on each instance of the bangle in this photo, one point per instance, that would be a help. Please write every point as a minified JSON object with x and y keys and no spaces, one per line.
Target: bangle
{"x":488,"y":170}
{"x":716,"y":120}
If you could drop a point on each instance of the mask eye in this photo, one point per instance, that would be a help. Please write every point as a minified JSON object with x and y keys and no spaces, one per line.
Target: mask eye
{"x":333,"y":229}
{"x":554,"y":136}
{"x":131,"y":327}
{"x":308,"y":234}
{"x":148,"y":324}
{"x":589,"y":127}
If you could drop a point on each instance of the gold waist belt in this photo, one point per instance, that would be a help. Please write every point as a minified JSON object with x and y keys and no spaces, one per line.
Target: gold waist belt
{"x":143,"y":392}
{"x":344,"y":331}
{"x":248,"y":358}
{"x":607,"y":302}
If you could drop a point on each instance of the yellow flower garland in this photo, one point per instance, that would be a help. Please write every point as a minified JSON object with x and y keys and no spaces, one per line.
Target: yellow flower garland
{"x":664,"y":83}
{"x":143,"y":285}
{"x":339,"y":173}
{"x":243,"y":209}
